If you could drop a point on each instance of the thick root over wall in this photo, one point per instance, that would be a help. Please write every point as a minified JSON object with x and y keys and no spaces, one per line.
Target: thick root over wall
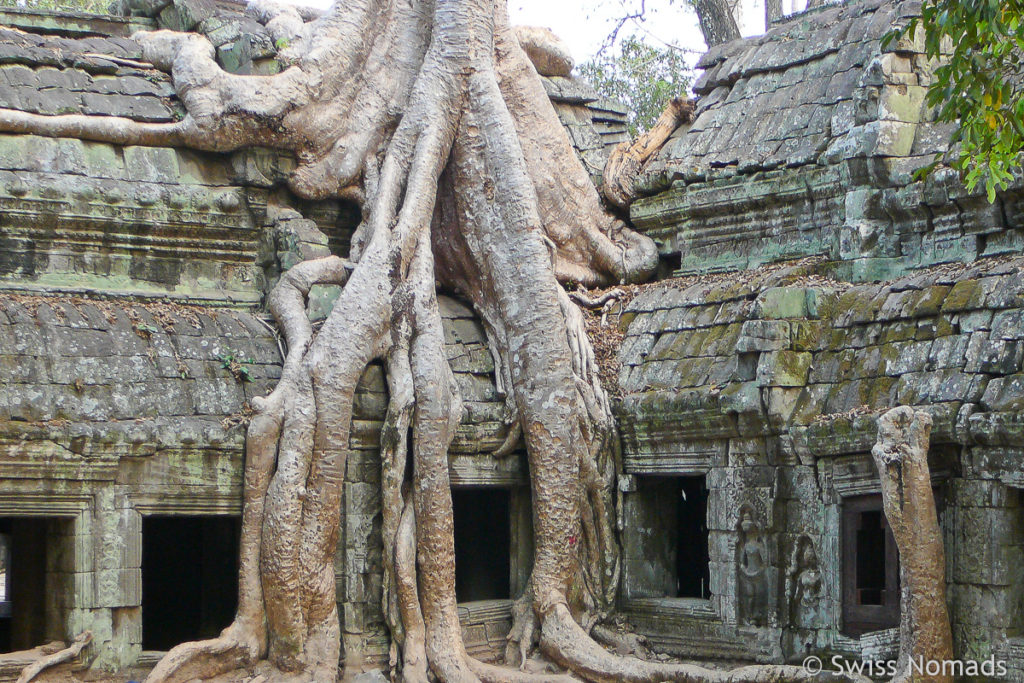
{"x":429,"y":114}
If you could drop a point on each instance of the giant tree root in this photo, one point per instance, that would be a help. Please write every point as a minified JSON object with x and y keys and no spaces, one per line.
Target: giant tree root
{"x":57,"y":658}
{"x":901,"y":456}
{"x":628,"y":160}
{"x":430,"y":113}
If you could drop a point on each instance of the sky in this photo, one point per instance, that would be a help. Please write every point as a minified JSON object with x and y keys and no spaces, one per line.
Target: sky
{"x":584,"y":24}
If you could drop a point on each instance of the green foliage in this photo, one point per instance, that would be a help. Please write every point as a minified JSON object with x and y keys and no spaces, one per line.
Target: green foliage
{"x":980,"y":45}
{"x":231,"y":362}
{"x":641,"y":76}
{"x":89,"y":6}
{"x":145,"y":331}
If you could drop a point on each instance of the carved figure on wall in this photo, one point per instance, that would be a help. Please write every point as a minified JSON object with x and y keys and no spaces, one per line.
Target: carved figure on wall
{"x":751,"y":570}
{"x":804,"y":584}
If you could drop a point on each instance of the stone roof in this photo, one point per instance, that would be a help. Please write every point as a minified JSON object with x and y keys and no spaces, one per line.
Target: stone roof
{"x":806,"y":142}
{"x":781,"y":99}
{"x":52,"y":74}
{"x":595,"y":124}
{"x":783,"y":350}
{"x":47,"y":70}
{"x":120,"y":378}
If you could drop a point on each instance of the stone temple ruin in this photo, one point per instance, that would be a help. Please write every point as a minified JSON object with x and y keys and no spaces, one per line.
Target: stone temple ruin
{"x":810,"y":282}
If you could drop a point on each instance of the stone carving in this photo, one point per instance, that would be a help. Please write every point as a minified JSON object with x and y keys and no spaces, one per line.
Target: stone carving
{"x":751,"y":565}
{"x":804,"y":584}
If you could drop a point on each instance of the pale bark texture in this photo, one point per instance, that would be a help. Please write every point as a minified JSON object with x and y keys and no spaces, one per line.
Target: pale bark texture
{"x":716,"y":21}
{"x":772,"y":11}
{"x":431,"y":116}
{"x":628,"y":159}
{"x":57,"y":658}
{"x":901,"y":456}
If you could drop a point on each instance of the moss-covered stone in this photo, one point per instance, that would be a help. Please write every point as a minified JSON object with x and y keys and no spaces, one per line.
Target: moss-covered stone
{"x":783,"y":368}
{"x":965,"y":295}
{"x":928,"y":301}
{"x":777,"y":303}
{"x":807,"y":334}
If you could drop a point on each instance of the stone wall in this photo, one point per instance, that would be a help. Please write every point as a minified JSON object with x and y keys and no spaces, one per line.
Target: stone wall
{"x":132,"y":335}
{"x":770,"y":384}
{"x":805,"y":143}
{"x":114,"y":410}
{"x":767,"y":380}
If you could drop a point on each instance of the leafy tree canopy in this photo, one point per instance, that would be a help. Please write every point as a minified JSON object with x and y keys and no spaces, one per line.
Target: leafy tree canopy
{"x":644,"y":77}
{"x":979,"y":80}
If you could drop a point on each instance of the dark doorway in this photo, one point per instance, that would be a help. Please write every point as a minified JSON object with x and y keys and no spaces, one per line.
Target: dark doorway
{"x":666,"y":540}
{"x":483,"y":567}
{"x":870,"y":552}
{"x":693,"y":568}
{"x":23,"y":582}
{"x":870,"y":567}
{"x":189,"y":578}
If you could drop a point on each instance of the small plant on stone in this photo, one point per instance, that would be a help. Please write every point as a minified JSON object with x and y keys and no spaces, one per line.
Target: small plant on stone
{"x":144,"y":330}
{"x":237,"y":366}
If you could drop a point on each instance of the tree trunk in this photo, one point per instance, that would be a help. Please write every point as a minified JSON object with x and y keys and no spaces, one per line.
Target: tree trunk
{"x":811,"y":4}
{"x":628,"y":160}
{"x":901,"y":456}
{"x":716,"y":21}
{"x":772,"y":12}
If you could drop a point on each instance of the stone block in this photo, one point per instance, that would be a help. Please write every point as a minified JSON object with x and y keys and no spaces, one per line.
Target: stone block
{"x":185,"y":15}
{"x":107,"y":105}
{"x":119,"y":588}
{"x":1004,"y":394}
{"x":84,"y":590}
{"x":1008,"y":560}
{"x":903,"y":357}
{"x":950,"y":352}
{"x":783,"y":368}
{"x":741,"y":398}
{"x":807,"y":335}
{"x":31,"y":402}
{"x":1006,"y":292}
{"x":763,"y":335}
{"x":996,"y":357}
{"x":782,"y":402}
{"x":966,"y":295}
{"x":1008,"y":325}
{"x":781,"y":302}
{"x":940,"y":387}
{"x":973,"y":560}
{"x":901,"y":102}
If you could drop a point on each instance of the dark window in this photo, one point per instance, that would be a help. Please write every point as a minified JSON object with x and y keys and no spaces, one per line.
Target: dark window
{"x":871,"y":599}
{"x":27,"y":618}
{"x":693,"y":569}
{"x":666,"y":543}
{"x":483,"y":567}
{"x":669,"y":264}
{"x":189,"y":578}
{"x":1010,"y":554}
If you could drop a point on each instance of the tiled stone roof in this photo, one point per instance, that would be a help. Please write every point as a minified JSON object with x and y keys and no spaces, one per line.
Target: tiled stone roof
{"x":782,"y":98}
{"x":51,"y":74}
{"x":784,"y":351}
